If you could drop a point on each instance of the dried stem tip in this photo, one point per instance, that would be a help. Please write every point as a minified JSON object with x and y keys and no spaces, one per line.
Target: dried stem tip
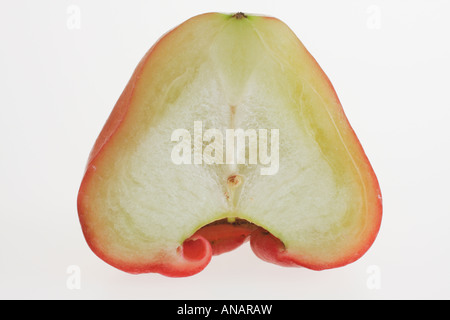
{"x":239,"y":15}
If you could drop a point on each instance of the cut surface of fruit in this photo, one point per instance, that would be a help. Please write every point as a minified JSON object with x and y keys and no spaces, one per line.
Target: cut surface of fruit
{"x":141,"y":211}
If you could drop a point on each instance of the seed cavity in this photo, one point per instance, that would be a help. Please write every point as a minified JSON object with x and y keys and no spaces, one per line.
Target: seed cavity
{"x":234,"y":181}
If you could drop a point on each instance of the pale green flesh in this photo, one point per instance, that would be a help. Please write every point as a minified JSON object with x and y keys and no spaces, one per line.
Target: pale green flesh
{"x":149,"y":204}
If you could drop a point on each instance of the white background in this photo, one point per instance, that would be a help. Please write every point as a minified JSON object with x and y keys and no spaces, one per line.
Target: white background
{"x":388,"y":60}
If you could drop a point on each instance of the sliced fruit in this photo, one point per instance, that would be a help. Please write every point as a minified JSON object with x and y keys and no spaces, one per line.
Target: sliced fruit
{"x":141,"y":211}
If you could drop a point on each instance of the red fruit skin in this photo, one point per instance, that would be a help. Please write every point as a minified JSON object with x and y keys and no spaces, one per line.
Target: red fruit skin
{"x":269,"y":248}
{"x":194,"y":255}
{"x":225,"y":236}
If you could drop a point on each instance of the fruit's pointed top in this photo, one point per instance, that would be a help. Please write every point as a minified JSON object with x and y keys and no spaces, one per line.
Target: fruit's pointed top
{"x":239,"y":15}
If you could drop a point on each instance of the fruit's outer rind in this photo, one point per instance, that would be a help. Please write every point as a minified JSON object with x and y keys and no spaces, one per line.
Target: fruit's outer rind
{"x":224,"y":236}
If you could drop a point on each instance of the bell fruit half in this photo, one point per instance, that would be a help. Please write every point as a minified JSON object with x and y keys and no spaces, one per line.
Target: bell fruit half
{"x":228,"y":131}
